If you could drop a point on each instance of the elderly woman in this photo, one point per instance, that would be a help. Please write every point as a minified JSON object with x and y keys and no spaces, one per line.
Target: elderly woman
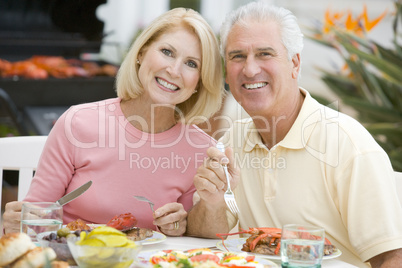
{"x":144,"y":142}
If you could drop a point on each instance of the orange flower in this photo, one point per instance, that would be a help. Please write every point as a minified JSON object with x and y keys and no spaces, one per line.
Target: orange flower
{"x":331,"y":20}
{"x":350,"y":24}
{"x":368,"y":25}
{"x":359,"y":25}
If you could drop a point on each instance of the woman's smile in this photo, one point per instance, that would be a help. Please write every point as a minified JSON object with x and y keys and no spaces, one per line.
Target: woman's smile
{"x":165,"y":85}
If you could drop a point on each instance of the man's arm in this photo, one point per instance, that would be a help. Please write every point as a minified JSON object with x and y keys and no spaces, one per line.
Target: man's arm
{"x":208,"y":216}
{"x":389,"y":259}
{"x":206,"y":221}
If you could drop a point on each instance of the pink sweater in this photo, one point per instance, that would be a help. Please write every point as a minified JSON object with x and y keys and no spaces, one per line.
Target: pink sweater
{"x":95,"y":142}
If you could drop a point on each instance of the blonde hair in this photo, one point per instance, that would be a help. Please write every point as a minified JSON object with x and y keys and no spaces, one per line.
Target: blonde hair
{"x":210,"y":89}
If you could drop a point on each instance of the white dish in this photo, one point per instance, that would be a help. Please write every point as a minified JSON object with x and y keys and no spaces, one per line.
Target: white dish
{"x":235,"y":245}
{"x":156,"y":238}
{"x":144,"y":256}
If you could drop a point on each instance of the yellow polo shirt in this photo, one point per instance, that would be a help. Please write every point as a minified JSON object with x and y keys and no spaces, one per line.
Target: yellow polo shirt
{"x":328,"y":171}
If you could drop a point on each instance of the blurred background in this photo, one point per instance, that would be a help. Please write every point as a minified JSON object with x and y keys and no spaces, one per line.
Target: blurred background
{"x":133,"y":15}
{"x":101,"y":31}
{"x":92,"y":37}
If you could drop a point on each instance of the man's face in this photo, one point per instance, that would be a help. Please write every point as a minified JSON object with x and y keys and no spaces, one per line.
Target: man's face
{"x":258,"y":71}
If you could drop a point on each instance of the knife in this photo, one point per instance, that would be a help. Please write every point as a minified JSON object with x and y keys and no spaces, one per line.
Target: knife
{"x":74,"y":194}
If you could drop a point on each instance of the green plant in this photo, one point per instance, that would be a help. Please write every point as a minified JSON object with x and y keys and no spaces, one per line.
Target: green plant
{"x":371,"y":80}
{"x":6,"y":130}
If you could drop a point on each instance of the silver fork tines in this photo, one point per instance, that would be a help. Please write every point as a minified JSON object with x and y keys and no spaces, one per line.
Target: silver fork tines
{"x":229,"y":195}
{"x":144,"y":199}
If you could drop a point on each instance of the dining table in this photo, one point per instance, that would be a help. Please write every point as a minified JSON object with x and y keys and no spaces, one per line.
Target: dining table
{"x":187,"y":243}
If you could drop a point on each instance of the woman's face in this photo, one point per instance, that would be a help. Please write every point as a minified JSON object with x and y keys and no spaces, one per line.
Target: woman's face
{"x":170,"y":67}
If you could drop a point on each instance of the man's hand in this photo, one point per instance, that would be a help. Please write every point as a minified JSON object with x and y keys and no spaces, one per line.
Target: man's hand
{"x":210,"y":180}
{"x":208,"y":216}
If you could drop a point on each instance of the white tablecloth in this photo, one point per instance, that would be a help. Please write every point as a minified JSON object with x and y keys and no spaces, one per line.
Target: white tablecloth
{"x":186,"y":243}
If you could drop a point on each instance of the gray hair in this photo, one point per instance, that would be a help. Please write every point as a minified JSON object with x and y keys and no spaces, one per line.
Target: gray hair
{"x":292,"y":37}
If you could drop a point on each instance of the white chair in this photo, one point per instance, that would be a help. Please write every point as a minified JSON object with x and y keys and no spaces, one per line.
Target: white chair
{"x":20,"y":153}
{"x":398,"y":178}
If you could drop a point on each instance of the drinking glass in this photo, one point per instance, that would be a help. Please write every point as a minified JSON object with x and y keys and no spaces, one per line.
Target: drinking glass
{"x":38,"y":217}
{"x":302,"y":246}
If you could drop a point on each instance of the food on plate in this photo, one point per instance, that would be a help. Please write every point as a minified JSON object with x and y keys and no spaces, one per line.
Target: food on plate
{"x":127,"y":224}
{"x":78,"y":225}
{"x":123,"y":222}
{"x":57,"y":240}
{"x":43,"y":67}
{"x":203,"y":257}
{"x":17,"y":250}
{"x":61,"y":235}
{"x":267,"y":241}
{"x":329,"y":248}
{"x":137,"y":233}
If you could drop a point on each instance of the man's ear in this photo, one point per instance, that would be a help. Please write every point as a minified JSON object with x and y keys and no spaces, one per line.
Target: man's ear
{"x":296,"y":65}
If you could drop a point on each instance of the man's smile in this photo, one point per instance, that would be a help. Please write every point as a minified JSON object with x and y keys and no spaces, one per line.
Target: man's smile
{"x":255,"y":85}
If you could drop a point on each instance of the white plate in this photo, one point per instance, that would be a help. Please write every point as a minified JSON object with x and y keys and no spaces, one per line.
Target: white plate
{"x":156,"y":238}
{"x":145,"y":255}
{"x":235,"y":245}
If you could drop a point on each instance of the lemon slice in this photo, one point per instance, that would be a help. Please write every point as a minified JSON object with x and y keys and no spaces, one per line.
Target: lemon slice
{"x":93,"y":242}
{"x":83,"y":235}
{"x":106,"y":253}
{"x":130,"y":244}
{"x":112,"y":240}
{"x":105,"y":230}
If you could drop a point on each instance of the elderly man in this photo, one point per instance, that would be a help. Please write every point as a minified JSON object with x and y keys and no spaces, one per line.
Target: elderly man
{"x":294,"y":160}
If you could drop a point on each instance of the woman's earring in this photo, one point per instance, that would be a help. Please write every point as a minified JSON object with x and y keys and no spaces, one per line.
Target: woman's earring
{"x":195,"y":91}
{"x":138,"y":61}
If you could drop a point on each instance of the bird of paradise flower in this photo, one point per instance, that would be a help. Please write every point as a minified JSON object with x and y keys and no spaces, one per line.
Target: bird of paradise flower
{"x":371,"y":82}
{"x":359,"y":25}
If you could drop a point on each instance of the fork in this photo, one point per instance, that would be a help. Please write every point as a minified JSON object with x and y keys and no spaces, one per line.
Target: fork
{"x":229,"y":195}
{"x":144,"y":199}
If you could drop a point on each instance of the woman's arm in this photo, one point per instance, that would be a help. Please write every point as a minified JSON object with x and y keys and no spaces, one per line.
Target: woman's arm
{"x":12,"y":217}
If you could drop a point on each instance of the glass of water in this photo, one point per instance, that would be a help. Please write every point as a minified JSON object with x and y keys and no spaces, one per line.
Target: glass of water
{"x":302,"y":246}
{"x":38,"y":217}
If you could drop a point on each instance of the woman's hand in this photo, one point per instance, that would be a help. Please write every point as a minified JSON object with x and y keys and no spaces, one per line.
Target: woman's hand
{"x":12,"y":217}
{"x":171,"y":219}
